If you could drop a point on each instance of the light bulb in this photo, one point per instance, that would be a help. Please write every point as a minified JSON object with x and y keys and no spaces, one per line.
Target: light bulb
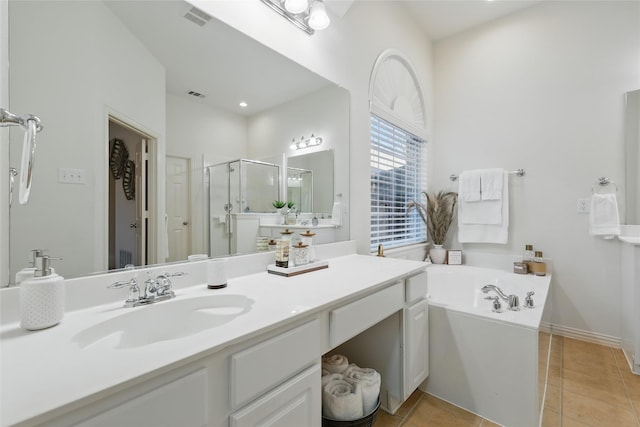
{"x":318,"y":18}
{"x":296,"y":6}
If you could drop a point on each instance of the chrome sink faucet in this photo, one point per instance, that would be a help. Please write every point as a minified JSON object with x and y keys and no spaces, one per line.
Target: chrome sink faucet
{"x":514,"y":302}
{"x":155,"y":290}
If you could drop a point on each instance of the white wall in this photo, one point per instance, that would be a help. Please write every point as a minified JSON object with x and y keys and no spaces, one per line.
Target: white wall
{"x":206,"y":136}
{"x":543,"y":90}
{"x":100,"y":68}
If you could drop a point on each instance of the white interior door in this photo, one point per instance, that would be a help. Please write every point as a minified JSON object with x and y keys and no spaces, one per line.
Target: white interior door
{"x":178,"y":212}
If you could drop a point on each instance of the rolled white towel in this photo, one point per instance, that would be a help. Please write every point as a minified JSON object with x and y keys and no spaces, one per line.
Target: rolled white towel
{"x":369,"y":380}
{"x":325,"y":372}
{"x":331,"y":377}
{"x":342,"y":400}
{"x":335,"y":364}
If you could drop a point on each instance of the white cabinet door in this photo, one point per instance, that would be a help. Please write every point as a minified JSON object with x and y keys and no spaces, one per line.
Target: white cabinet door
{"x":295,"y":403}
{"x":416,"y":346}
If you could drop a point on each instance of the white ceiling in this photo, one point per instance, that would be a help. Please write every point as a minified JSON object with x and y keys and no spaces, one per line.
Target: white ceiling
{"x":228,"y":67}
{"x":443,"y":18}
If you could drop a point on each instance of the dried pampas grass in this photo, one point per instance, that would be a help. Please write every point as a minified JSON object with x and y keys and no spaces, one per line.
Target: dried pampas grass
{"x":437,"y":213}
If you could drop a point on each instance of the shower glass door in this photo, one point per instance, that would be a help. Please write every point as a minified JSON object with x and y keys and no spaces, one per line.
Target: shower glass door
{"x":224,"y":194}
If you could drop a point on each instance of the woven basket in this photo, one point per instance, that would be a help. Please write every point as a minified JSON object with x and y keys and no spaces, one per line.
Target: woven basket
{"x":366,"y":421}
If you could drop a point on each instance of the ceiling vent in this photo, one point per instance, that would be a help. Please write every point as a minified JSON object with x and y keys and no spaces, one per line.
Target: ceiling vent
{"x":196,"y":94}
{"x":197,"y":16}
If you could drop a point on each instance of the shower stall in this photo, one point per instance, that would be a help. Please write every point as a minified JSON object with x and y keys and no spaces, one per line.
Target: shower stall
{"x":238,"y":187}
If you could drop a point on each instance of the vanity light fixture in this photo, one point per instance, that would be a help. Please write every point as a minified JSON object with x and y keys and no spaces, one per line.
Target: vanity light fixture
{"x":308,"y":15}
{"x":312,"y":141}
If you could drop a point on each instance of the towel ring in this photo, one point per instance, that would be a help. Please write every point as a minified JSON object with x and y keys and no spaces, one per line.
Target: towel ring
{"x":603,"y":181}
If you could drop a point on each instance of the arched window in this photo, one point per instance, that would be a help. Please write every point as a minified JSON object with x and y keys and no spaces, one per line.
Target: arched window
{"x":398,"y":154}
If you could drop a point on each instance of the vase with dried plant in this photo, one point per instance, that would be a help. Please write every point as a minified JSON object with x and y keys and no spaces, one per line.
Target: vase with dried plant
{"x":437,"y":213}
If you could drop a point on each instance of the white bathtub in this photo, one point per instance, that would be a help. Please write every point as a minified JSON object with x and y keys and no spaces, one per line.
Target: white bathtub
{"x":485,"y":362}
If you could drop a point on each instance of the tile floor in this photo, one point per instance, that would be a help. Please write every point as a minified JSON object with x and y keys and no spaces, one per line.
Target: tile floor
{"x":588,"y":385}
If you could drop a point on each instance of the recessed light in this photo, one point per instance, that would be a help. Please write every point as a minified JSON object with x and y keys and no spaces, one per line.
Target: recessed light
{"x":243,"y":104}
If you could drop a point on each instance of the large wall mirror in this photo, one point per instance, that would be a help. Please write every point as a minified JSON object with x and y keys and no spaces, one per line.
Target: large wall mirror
{"x":632,"y":157}
{"x":151,"y":90}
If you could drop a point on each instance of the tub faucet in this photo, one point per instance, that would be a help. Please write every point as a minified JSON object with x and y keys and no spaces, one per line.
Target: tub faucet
{"x":514,"y":302}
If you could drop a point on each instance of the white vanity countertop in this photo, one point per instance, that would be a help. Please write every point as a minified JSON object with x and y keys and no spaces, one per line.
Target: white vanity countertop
{"x":45,"y":370}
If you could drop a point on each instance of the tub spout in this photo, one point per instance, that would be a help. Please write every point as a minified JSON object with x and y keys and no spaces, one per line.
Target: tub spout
{"x":486,"y":288}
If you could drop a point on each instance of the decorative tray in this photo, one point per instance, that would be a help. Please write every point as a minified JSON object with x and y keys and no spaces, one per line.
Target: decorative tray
{"x":301,"y":269}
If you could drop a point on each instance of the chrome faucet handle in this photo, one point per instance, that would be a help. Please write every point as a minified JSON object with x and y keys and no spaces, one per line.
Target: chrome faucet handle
{"x":150,"y":287}
{"x":134,"y":290}
{"x":165,"y":287}
{"x":497,"y":305}
{"x":514,"y":303}
{"x":528,"y":301}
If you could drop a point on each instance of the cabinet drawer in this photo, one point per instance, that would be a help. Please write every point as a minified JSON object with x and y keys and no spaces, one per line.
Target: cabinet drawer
{"x":265,"y":365}
{"x":416,"y":287}
{"x":351,"y":319}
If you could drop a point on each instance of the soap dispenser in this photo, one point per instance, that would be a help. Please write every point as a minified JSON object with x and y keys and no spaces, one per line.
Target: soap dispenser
{"x":28,"y":272}
{"x":41,"y":297}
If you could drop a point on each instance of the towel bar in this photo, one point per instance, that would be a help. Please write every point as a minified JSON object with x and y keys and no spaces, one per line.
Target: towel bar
{"x":517,"y":172}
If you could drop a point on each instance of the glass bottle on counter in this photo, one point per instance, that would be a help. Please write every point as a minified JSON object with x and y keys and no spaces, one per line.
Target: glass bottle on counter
{"x":539,"y":266}
{"x":527,"y":257}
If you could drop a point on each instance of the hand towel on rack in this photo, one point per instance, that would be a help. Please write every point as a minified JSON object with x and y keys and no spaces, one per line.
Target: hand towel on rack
{"x":491,"y":231}
{"x":482,"y":211}
{"x":369,"y":381}
{"x":342,"y":400}
{"x":469,"y":186}
{"x":604,"y":220}
{"x":491,"y":181}
{"x":336,"y":213}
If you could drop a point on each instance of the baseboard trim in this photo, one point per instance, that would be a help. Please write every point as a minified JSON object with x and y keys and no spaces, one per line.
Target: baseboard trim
{"x":579,"y":334}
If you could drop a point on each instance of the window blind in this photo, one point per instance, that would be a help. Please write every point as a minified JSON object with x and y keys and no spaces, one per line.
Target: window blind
{"x":397,"y":177}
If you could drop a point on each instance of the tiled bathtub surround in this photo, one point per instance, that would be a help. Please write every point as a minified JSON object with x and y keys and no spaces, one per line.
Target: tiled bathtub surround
{"x":588,"y":385}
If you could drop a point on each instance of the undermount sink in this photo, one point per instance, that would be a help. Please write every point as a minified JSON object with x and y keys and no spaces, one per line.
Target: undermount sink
{"x":164,"y":321}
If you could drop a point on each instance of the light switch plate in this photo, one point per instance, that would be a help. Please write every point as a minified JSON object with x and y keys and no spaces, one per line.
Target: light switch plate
{"x":72,"y":176}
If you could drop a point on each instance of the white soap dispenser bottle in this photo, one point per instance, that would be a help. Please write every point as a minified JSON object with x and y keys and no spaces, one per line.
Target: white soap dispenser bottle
{"x":41,"y":297}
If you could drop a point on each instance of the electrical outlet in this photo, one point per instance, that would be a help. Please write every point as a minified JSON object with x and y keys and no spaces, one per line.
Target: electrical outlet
{"x":583,"y":205}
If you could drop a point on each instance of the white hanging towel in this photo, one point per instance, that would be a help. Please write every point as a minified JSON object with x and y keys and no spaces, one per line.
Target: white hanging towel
{"x":336,"y":213}
{"x":488,"y":208}
{"x":491,"y":181}
{"x":604,"y":220}
{"x":486,"y":221}
{"x":469,"y":186}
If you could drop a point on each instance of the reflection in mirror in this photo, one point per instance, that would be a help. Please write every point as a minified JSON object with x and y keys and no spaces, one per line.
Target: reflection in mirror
{"x":300,"y":189}
{"x":320,"y":178}
{"x":141,"y":63}
{"x":236,"y":187}
{"x":632,"y":151}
